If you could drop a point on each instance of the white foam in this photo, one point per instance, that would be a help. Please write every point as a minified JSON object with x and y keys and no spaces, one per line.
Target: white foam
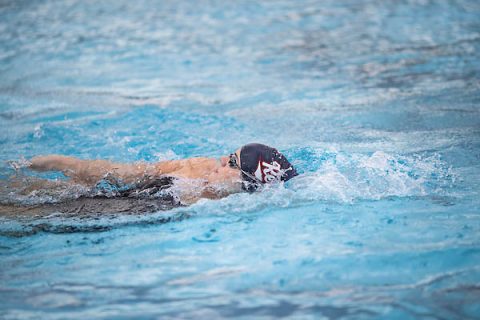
{"x":167,"y":155}
{"x":342,"y":179}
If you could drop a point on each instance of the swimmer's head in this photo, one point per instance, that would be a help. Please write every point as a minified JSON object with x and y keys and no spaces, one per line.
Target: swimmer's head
{"x":261,"y":164}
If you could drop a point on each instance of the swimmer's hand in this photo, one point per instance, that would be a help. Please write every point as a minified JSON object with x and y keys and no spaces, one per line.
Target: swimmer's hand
{"x":21,"y":163}
{"x":81,"y":171}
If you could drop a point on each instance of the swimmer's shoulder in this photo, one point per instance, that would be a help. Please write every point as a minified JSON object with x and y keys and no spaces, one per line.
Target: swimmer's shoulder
{"x":171,"y":166}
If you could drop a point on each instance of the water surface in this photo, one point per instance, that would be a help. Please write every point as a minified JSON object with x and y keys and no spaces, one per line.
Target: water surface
{"x":375,"y":102}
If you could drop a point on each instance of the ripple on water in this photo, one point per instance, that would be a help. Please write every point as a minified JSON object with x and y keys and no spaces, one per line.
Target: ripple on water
{"x":376,"y":103}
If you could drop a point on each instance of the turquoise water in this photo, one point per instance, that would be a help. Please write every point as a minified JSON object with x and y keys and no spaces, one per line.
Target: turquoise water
{"x":375,"y":102}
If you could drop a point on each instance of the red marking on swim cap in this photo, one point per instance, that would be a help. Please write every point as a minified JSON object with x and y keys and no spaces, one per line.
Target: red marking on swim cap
{"x":268,"y":172}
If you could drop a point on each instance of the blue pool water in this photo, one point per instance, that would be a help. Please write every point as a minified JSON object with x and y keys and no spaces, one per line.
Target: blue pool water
{"x":375,"y":102}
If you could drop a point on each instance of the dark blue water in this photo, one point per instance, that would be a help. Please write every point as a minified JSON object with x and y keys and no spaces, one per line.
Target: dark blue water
{"x":375,"y":102}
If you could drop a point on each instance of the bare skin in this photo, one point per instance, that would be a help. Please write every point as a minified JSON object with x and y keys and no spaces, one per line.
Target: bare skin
{"x":216,"y":177}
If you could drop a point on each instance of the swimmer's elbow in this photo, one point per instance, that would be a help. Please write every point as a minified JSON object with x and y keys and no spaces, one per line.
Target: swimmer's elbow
{"x":214,"y":192}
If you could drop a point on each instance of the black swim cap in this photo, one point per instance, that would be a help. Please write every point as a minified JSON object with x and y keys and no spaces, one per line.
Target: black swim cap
{"x":265,"y":164}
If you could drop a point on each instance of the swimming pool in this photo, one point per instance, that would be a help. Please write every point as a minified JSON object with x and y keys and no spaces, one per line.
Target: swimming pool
{"x":375,"y":102}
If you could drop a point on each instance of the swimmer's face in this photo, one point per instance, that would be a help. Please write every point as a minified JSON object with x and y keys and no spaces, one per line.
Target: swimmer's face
{"x":225,"y":160}
{"x":226,"y":173}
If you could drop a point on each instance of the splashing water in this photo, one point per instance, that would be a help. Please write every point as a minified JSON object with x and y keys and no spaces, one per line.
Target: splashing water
{"x":375,"y":103}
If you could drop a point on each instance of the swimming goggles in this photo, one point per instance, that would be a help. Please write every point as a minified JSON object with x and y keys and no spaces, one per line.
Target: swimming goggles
{"x":233,"y":163}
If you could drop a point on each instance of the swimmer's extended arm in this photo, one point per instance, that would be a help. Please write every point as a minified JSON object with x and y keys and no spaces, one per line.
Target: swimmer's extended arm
{"x":219,"y":180}
{"x":90,"y":171}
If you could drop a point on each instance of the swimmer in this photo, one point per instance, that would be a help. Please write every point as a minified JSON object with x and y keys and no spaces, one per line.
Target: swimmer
{"x":247,"y":169}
